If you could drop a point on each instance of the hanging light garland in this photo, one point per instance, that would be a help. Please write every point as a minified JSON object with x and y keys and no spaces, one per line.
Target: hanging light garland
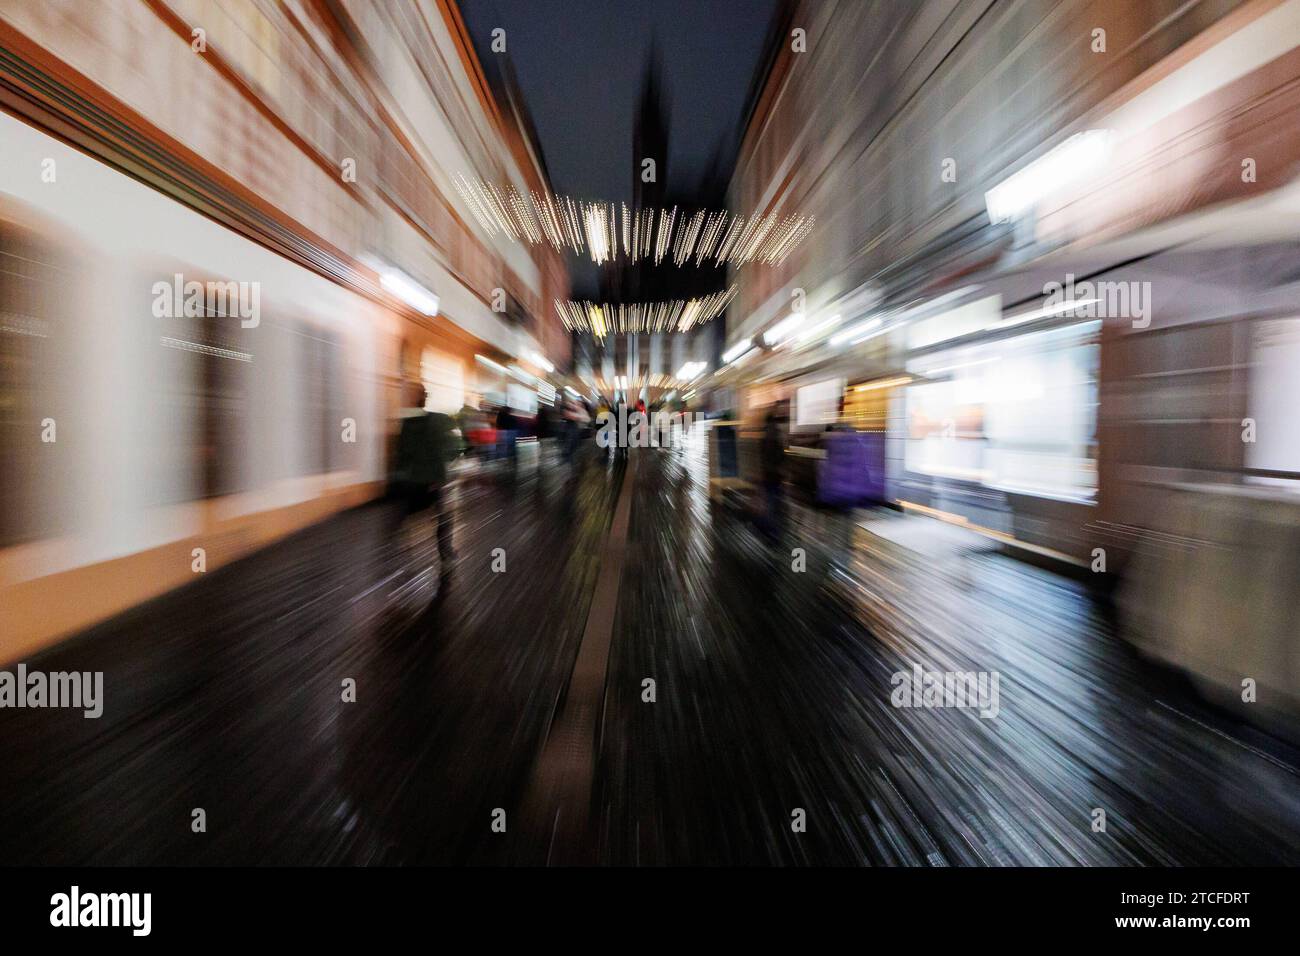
{"x":673,"y":315}
{"x":608,"y":231}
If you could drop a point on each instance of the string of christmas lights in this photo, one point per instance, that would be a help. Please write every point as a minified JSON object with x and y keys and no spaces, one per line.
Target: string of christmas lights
{"x":673,"y":315}
{"x":606,"y":231}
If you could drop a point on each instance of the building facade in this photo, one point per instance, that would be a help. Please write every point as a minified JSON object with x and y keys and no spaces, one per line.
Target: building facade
{"x":967,"y":165}
{"x":297,"y":155}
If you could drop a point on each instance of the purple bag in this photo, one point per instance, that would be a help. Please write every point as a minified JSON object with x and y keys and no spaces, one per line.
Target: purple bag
{"x":845,"y":477}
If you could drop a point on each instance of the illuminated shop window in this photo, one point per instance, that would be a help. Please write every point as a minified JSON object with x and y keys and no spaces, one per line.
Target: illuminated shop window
{"x":1017,"y":415}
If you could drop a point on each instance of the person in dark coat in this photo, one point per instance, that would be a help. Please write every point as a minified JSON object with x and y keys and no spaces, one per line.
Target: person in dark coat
{"x":771,"y":458}
{"x":425,"y":445}
{"x":507,"y":428}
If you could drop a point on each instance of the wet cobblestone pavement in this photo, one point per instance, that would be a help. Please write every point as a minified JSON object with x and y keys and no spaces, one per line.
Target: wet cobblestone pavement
{"x":772,"y":694}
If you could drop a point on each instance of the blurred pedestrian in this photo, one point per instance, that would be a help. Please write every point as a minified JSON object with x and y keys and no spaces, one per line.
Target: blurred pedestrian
{"x":772,"y":466}
{"x":575,"y":417}
{"x":622,"y":414}
{"x":842,"y":482}
{"x":507,"y":434}
{"x":425,"y":444}
{"x":467,"y":420}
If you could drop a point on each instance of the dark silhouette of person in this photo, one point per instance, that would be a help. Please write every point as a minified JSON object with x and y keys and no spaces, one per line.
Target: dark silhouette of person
{"x":425,"y":445}
{"x":772,"y":465}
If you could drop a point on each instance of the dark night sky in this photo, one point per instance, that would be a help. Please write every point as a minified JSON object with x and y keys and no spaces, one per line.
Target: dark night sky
{"x":581,"y":63}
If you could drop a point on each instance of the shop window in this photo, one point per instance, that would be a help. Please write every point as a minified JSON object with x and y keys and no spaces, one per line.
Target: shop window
{"x":1016,"y":415}
{"x":34,"y":387}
